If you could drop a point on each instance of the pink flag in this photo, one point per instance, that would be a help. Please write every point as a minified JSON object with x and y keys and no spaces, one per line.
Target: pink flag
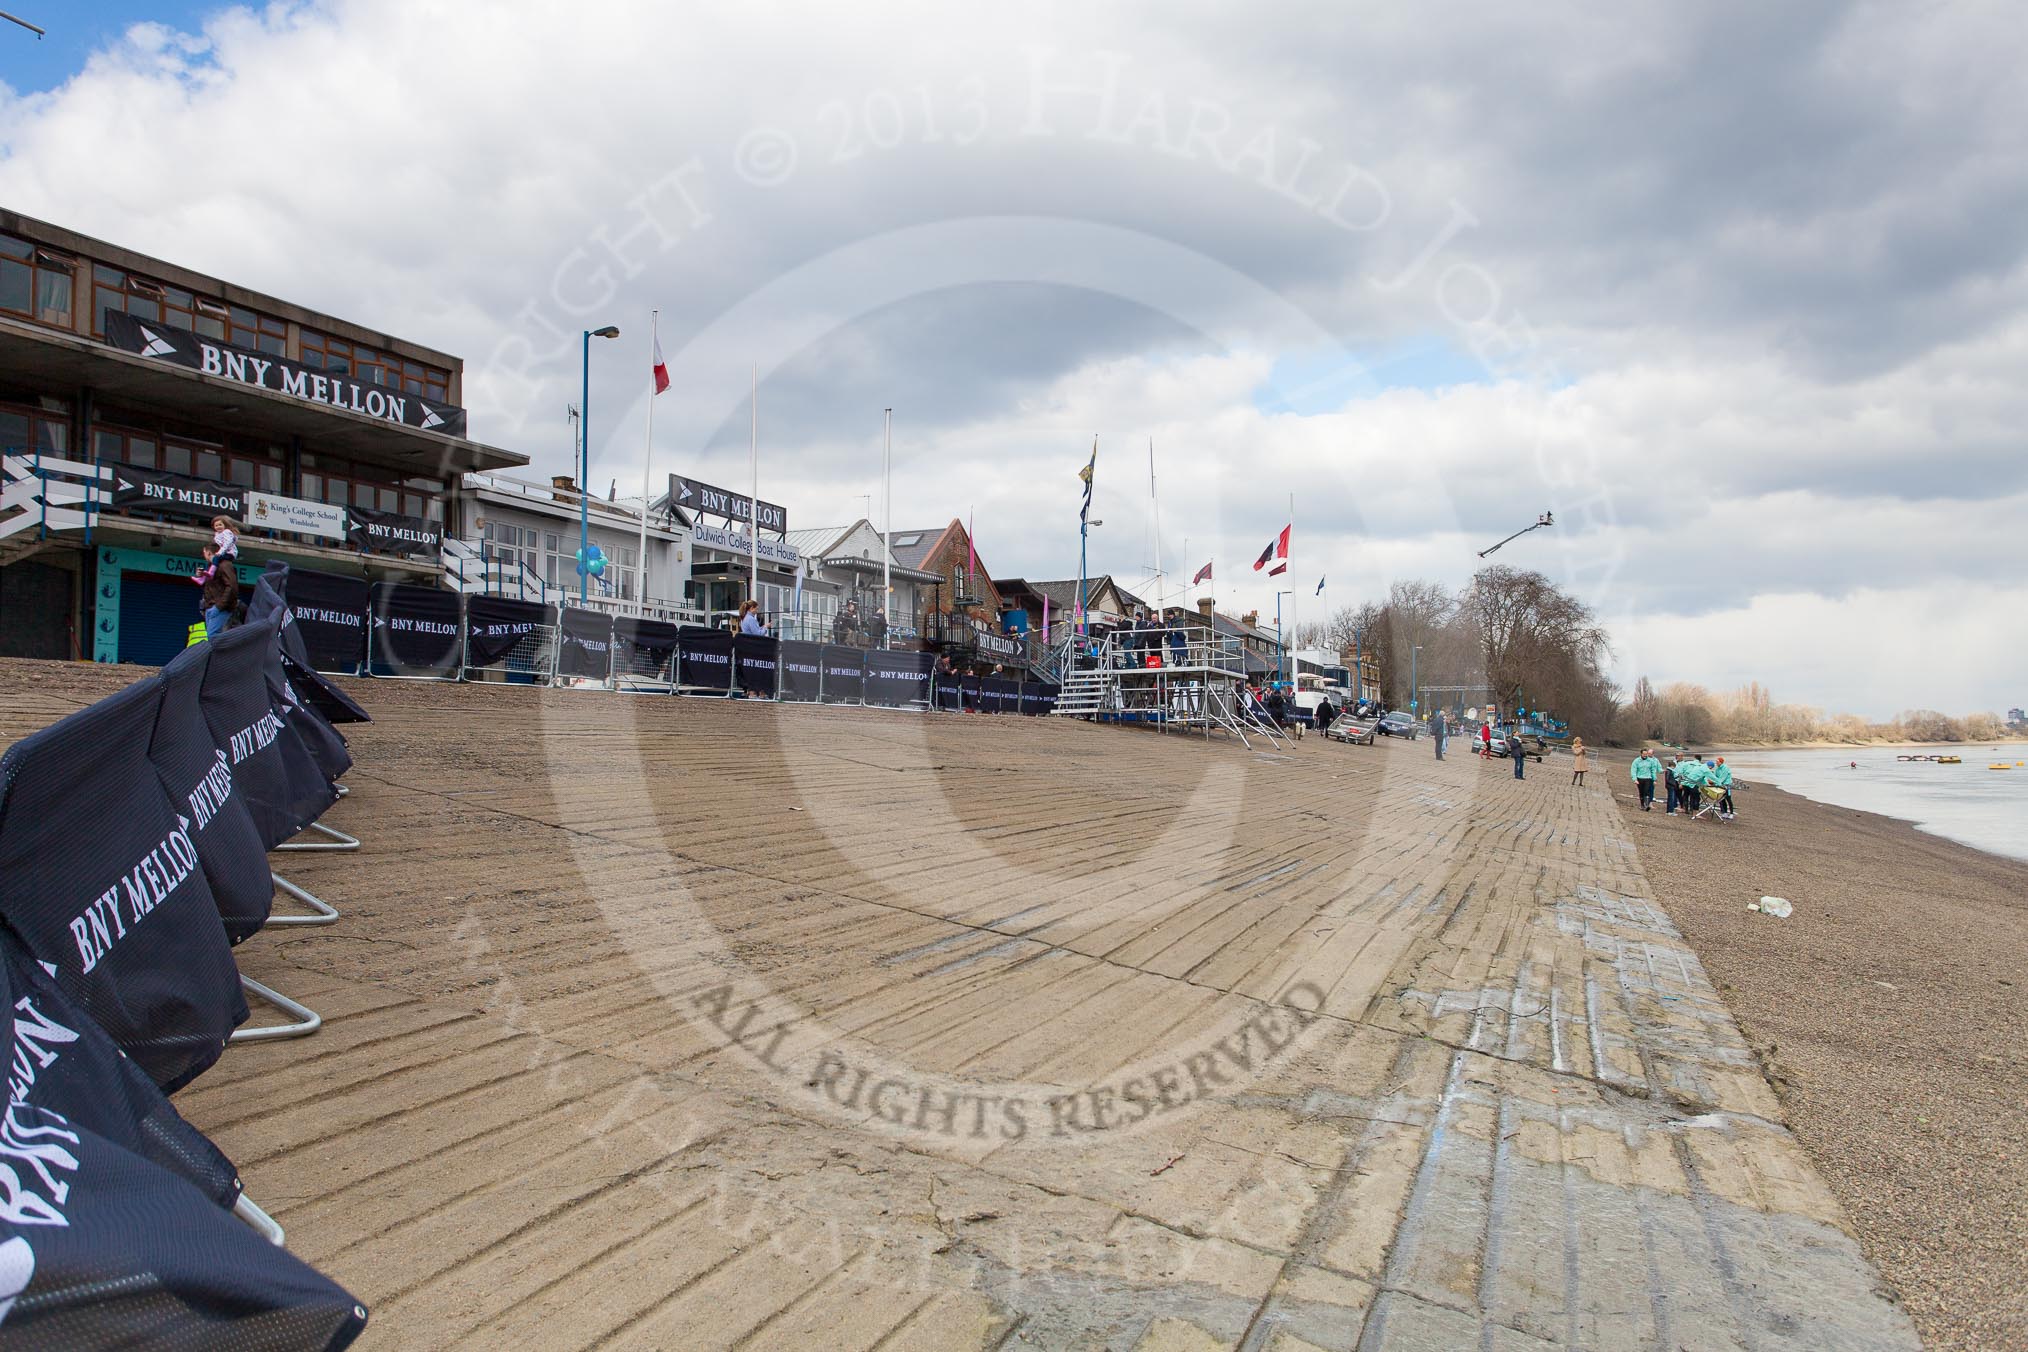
{"x":661,"y":367}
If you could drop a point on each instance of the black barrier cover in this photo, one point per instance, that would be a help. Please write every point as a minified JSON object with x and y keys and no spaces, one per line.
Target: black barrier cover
{"x":330,"y":616}
{"x":196,"y":768}
{"x":64,"y":1063}
{"x":99,"y":876}
{"x":753,"y":662}
{"x":116,"y":1230}
{"x":253,"y":717}
{"x":642,"y":647}
{"x":584,"y":644}
{"x":998,"y":695}
{"x":705,"y":662}
{"x":844,"y":674}
{"x":949,"y":691}
{"x":415,"y":630}
{"x":802,"y":668}
{"x":141,"y":1259}
{"x":494,"y":624}
{"x":1047,"y":692}
{"x":270,"y":596}
{"x":325,"y":744}
{"x":897,"y":678}
{"x":1030,"y":698}
{"x":969,"y":692}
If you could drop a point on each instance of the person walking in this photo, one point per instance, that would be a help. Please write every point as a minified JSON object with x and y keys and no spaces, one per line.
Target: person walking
{"x":1439,"y":729}
{"x":1669,"y":784}
{"x":1517,"y":750}
{"x":1645,"y":768}
{"x":1578,"y":761}
{"x":1486,"y":740}
{"x":1721,"y":775}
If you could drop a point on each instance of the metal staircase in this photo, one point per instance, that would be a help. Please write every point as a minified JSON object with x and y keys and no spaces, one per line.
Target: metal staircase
{"x":1087,"y":693}
{"x":471,"y":568}
{"x":43,"y":496}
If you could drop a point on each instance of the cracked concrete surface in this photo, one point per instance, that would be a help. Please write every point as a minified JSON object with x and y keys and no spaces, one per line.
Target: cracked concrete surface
{"x":669,"y":1023}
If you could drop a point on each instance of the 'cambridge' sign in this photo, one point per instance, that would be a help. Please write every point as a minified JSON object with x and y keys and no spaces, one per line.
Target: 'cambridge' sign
{"x":181,"y":347}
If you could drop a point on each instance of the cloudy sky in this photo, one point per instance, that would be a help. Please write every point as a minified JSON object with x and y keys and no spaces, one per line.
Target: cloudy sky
{"x":1737,"y":290}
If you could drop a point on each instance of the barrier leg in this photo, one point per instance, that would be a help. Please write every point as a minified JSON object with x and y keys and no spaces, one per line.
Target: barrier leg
{"x":338,"y":840}
{"x":307,"y":1022}
{"x":260,"y":1220}
{"x":322,"y":912}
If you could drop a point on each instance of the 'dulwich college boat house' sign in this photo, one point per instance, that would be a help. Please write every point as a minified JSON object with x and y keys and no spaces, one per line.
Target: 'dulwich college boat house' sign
{"x":181,"y":347}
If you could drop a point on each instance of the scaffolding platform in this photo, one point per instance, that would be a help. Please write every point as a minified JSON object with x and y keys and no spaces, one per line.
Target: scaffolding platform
{"x":1176,"y":679}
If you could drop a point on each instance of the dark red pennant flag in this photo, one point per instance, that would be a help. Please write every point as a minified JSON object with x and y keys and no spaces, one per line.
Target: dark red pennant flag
{"x":1203,"y":575}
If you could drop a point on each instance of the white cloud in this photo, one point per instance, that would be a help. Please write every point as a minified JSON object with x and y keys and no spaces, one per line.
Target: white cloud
{"x":1754,"y":275}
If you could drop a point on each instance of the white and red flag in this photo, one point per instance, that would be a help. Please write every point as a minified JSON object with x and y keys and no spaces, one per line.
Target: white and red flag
{"x":1277,"y":550}
{"x":661,"y":367}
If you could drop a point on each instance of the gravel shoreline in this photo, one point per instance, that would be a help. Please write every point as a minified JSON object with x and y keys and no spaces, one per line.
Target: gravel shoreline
{"x":1891,"y":1012}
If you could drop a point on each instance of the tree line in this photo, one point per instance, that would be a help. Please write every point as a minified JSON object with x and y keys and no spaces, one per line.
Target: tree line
{"x":1511,"y":636}
{"x":1514,"y":637}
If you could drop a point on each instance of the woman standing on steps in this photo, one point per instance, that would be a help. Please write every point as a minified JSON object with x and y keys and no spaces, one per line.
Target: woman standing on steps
{"x":1577,"y":761}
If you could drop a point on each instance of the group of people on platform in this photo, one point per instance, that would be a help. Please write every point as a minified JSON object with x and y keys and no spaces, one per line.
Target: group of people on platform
{"x":854,"y":630}
{"x":1685,"y":781}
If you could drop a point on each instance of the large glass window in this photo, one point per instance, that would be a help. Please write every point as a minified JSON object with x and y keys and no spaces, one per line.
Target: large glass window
{"x":114,"y":289}
{"x":342,"y":357}
{"x":36,"y":283}
{"x":514,"y":547}
{"x":25,"y":430}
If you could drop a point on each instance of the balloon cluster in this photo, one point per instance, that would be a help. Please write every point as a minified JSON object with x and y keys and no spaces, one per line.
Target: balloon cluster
{"x":591,"y":560}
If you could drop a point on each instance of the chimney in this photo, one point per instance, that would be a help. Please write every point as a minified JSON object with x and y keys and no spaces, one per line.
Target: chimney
{"x":1251,"y":619}
{"x":1204,"y":608}
{"x":563,"y":483}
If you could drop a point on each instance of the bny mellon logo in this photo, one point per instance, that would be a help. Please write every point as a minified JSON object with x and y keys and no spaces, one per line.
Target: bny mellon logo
{"x":429,"y":419}
{"x":154,"y":344}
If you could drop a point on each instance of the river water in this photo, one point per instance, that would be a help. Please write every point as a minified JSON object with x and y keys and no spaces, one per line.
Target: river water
{"x":1986,"y":809}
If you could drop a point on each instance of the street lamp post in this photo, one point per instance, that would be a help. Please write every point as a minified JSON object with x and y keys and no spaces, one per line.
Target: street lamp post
{"x":1414,"y":687}
{"x":584,"y":467}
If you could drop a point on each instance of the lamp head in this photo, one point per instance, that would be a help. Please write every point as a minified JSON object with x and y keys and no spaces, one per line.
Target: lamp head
{"x":609,"y":331}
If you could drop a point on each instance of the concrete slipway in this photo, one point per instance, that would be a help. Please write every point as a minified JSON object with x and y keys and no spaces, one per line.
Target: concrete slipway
{"x":676,"y":1023}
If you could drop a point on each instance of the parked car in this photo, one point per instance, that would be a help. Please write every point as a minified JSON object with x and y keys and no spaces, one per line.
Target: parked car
{"x":1498,"y":746}
{"x":1400,"y":724}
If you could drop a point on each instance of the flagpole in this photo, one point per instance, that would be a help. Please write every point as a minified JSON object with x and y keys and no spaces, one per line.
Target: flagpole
{"x":1156,"y":499}
{"x":1294,"y":666}
{"x":753,"y":500}
{"x":887,"y":525}
{"x":647,"y":467}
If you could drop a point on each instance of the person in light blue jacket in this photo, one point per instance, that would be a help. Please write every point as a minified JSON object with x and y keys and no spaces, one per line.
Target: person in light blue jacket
{"x":1689,"y":779}
{"x":1645,"y":768}
{"x":1721,"y":775}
